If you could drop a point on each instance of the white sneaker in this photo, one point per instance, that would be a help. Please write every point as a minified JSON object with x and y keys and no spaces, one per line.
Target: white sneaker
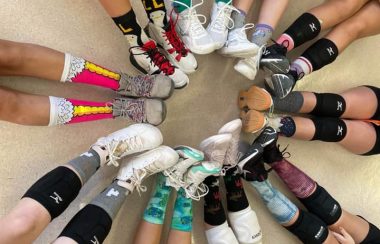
{"x":191,"y":30}
{"x":245,"y":225}
{"x":215,"y":148}
{"x":188,"y":157}
{"x":234,"y":128}
{"x":249,"y":66}
{"x":220,"y":22}
{"x":133,"y":139}
{"x":136,"y":169}
{"x":238,"y":45}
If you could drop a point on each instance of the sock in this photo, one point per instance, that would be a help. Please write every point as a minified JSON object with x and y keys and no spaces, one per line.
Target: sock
{"x":131,"y":29}
{"x":238,"y":18}
{"x":301,"y":66}
{"x":213,"y":208}
{"x":297,"y":181}
{"x":224,"y":1}
{"x":156,"y":208}
{"x":182,"y":219}
{"x":262,"y":34}
{"x":86,"y":164}
{"x":288,"y":127}
{"x":156,"y":11}
{"x":286,"y":41}
{"x":111,"y":199}
{"x":282,"y":209}
{"x":291,"y":103}
{"x":81,"y":71}
{"x":182,"y":7}
{"x":68,"y":111}
{"x":236,"y":198}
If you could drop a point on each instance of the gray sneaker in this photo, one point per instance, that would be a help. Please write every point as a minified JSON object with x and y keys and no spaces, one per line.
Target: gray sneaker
{"x":280,"y":85}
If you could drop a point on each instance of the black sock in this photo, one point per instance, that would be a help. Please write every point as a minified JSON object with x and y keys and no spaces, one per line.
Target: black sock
{"x":156,"y":11}
{"x":236,"y":198}
{"x":127,"y":23}
{"x":213,"y":208}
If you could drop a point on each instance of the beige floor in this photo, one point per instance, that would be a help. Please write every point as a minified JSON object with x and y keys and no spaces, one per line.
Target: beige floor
{"x":83,"y":28}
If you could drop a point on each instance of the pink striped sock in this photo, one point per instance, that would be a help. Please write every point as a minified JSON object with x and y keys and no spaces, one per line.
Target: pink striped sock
{"x":286,"y":41}
{"x":302,"y":66}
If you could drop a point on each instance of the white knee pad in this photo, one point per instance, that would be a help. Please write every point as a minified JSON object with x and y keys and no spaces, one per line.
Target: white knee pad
{"x":221,"y":234}
{"x":245,"y":226}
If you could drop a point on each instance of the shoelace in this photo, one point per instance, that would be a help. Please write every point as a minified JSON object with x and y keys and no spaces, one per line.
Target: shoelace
{"x":281,"y":46}
{"x":219,"y":24}
{"x":140,"y":85}
{"x":174,"y":178}
{"x":242,"y":35}
{"x":111,"y":147}
{"x":136,"y":181}
{"x":174,"y":40}
{"x":196,"y":192}
{"x":133,"y":109}
{"x":195,"y":24}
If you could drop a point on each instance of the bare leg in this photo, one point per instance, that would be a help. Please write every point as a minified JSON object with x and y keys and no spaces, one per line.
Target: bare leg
{"x":179,"y":237}
{"x":116,"y":8}
{"x":271,"y":12}
{"x":244,"y":5}
{"x":154,"y":235}
{"x":357,"y":227}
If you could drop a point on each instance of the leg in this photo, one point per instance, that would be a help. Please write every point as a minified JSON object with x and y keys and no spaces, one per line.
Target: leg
{"x":243,"y":5}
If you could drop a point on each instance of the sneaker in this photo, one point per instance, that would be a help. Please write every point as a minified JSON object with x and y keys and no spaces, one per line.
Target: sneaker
{"x":175,"y":49}
{"x":215,"y":148}
{"x":132,"y":139}
{"x":142,"y":110}
{"x":274,"y":59}
{"x":249,"y":66}
{"x":238,"y":45}
{"x":148,"y":60}
{"x":267,"y":137}
{"x":233,"y":128}
{"x":136,"y":169}
{"x":251,"y":165}
{"x":194,"y":186}
{"x":188,"y":157}
{"x":253,"y":121}
{"x":280,"y":85}
{"x":220,"y":23}
{"x":255,"y":98}
{"x":191,"y":30}
{"x":150,"y":86}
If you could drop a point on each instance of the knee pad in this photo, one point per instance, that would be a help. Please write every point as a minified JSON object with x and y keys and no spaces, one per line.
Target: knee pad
{"x":323,"y":205}
{"x":321,"y":53}
{"x":373,"y":235}
{"x":90,"y":225}
{"x":304,"y":29}
{"x":221,"y":234}
{"x":309,"y":228}
{"x":245,"y":226}
{"x":329,"y":105}
{"x":55,"y":190}
{"x":329,"y":129}
{"x":376,"y":90}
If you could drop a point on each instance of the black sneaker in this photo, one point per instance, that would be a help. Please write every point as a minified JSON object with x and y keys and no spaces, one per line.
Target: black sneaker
{"x":280,"y":85}
{"x":255,"y":171}
{"x":267,"y":137}
{"x":274,"y":59}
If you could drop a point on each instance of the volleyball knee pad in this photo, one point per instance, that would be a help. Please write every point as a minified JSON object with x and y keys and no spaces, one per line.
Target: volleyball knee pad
{"x":329,"y":129}
{"x":329,"y":105}
{"x":90,"y":225}
{"x":373,"y":235}
{"x":304,"y":29}
{"x":309,"y":228}
{"x":55,"y":190}
{"x":323,"y":205}
{"x":221,"y":234}
{"x":321,"y":53}
{"x":245,"y":226}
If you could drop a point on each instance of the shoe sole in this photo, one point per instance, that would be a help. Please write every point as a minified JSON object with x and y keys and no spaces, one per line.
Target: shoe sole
{"x":253,"y":121}
{"x":239,"y":54}
{"x":276,"y":66}
{"x":255,"y":98}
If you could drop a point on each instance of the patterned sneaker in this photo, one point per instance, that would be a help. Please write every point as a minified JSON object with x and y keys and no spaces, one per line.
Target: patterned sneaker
{"x":274,"y":59}
{"x":233,"y":128}
{"x":280,"y":85}
{"x":150,"y":86}
{"x":132,"y":139}
{"x":136,"y":169}
{"x":188,"y":157}
{"x":249,"y":66}
{"x":142,"y":110}
{"x":215,"y":148}
{"x":255,"y":98}
{"x":251,"y":164}
{"x":253,"y":121}
{"x":148,"y":60}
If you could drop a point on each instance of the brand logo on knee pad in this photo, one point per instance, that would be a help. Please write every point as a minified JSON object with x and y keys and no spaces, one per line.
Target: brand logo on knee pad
{"x":57,"y":198}
{"x":340,"y":106}
{"x":320,"y":233}
{"x":95,"y":241}
{"x":340,"y":131}
{"x":112,"y":192}
{"x":330,"y":51}
{"x":333,"y":211}
{"x":313,"y":27}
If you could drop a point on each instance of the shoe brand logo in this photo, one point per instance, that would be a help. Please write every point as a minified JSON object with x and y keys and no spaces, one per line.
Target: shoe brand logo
{"x":330,"y":51}
{"x":112,"y":192}
{"x":340,"y":131}
{"x":57,"y":198}
{"x":87,"y":154}
{"x":266,"y":52}
{"x":340,"y":106}
{"x":312,"y":27}
{"x":320,"y":232}
{"x":95,"y":241}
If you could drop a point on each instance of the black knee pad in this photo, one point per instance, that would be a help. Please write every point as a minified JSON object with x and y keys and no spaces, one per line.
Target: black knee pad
{"x":373,"y":236}
{"x":323,"y":205}
{"x":321,"y":53}
{"x":309,"y":228}
{"x":90,"y":225}
{"x":376,"y":90}
{"x":329,"y":129}
{"x":329,"y":105}
{"x":376,"y":148}
{"x":55,"y":190}
{"x":304,"y":29}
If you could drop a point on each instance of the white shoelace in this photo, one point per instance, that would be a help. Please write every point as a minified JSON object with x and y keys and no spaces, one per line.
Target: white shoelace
{"x":219,"y":24}
{"x":196,"y":192}
{"x":111,"y":147}
{"x":195,"y":24}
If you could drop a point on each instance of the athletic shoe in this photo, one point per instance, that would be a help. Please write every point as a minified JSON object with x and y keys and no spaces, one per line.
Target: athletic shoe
{"x":142,"y":110}
{"x":255,"y":98}
{"x":194,"y":186}
{"x":175,"y":49}
{"x":274,"y":59}
{"x":191,"y":31}
{"x":136,"y":169}
{"x":132,"y":139}
{"x":148,"y":60}
{"x":280,"y":85}
{"x":249,"y":66}
{"x":220,"y":22}
{"x":150,"y":86}
{"x":272,"y":151}
{"x":188,"y":157}
{"x":245,"y":225}
{"x":215,"y":148}
{"x":251,"y":165}
{"x":253,"y":121}
{"x":234,"y":128}
{"x":238,"y":45}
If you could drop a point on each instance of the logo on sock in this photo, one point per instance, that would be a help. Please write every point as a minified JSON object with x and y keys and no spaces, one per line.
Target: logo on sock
{"x":112,"y":192}
{"x":87,"y":154}
{"x":330,"y":51}
{"x":57,"y":198}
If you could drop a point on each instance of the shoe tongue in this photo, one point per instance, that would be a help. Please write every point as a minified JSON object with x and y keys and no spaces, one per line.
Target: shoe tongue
{"x":149,"y":45}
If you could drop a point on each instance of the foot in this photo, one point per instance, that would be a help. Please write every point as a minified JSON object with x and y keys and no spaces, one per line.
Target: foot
{"x":220,"y":23}
{"x":237,"y":44}
{"x":253,"y":121}
{"x":136,"y":169}
{"x":267,"y":137}
{"x":251,"y":165}
{"x":272,"y":151}
{"x":249,"y":66}
{"x":187,"y":157}
{"x":255,"y":98}
{"x":175,"y":49}
{"x":142,"y":110}
{"x":191,"y":31}
{"x":150,"y":86}
{"x":148,"y":60}
{"x":280,"y":85}
{"x":215,"y":148}
{"x":274,"y":59}
{"x":233,"y":128}
{"x":132,"y":139}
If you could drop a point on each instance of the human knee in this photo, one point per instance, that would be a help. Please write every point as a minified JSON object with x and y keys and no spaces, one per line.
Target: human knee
{"x":10,"y":105}
{"x":329,"y":129}
{"x":11,"y":55}
{"x":345,"y":8}
{"x":21,"y":225}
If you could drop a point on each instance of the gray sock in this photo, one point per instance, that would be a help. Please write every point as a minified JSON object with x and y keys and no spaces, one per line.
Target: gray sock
{"x":262,"y":34}
{"x":238,"y":18}
{"x":86,"y":164}
{"x":291,"y":103}
{"x":111,"y":199}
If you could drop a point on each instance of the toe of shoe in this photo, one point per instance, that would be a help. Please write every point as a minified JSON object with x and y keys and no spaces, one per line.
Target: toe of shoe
{"x":155,"y":110}
{"x":180,"y":79}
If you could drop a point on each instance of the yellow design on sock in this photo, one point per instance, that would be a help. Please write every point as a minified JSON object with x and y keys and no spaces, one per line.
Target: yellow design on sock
{"x":87,"y":110}
{"x":101,"y":71}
